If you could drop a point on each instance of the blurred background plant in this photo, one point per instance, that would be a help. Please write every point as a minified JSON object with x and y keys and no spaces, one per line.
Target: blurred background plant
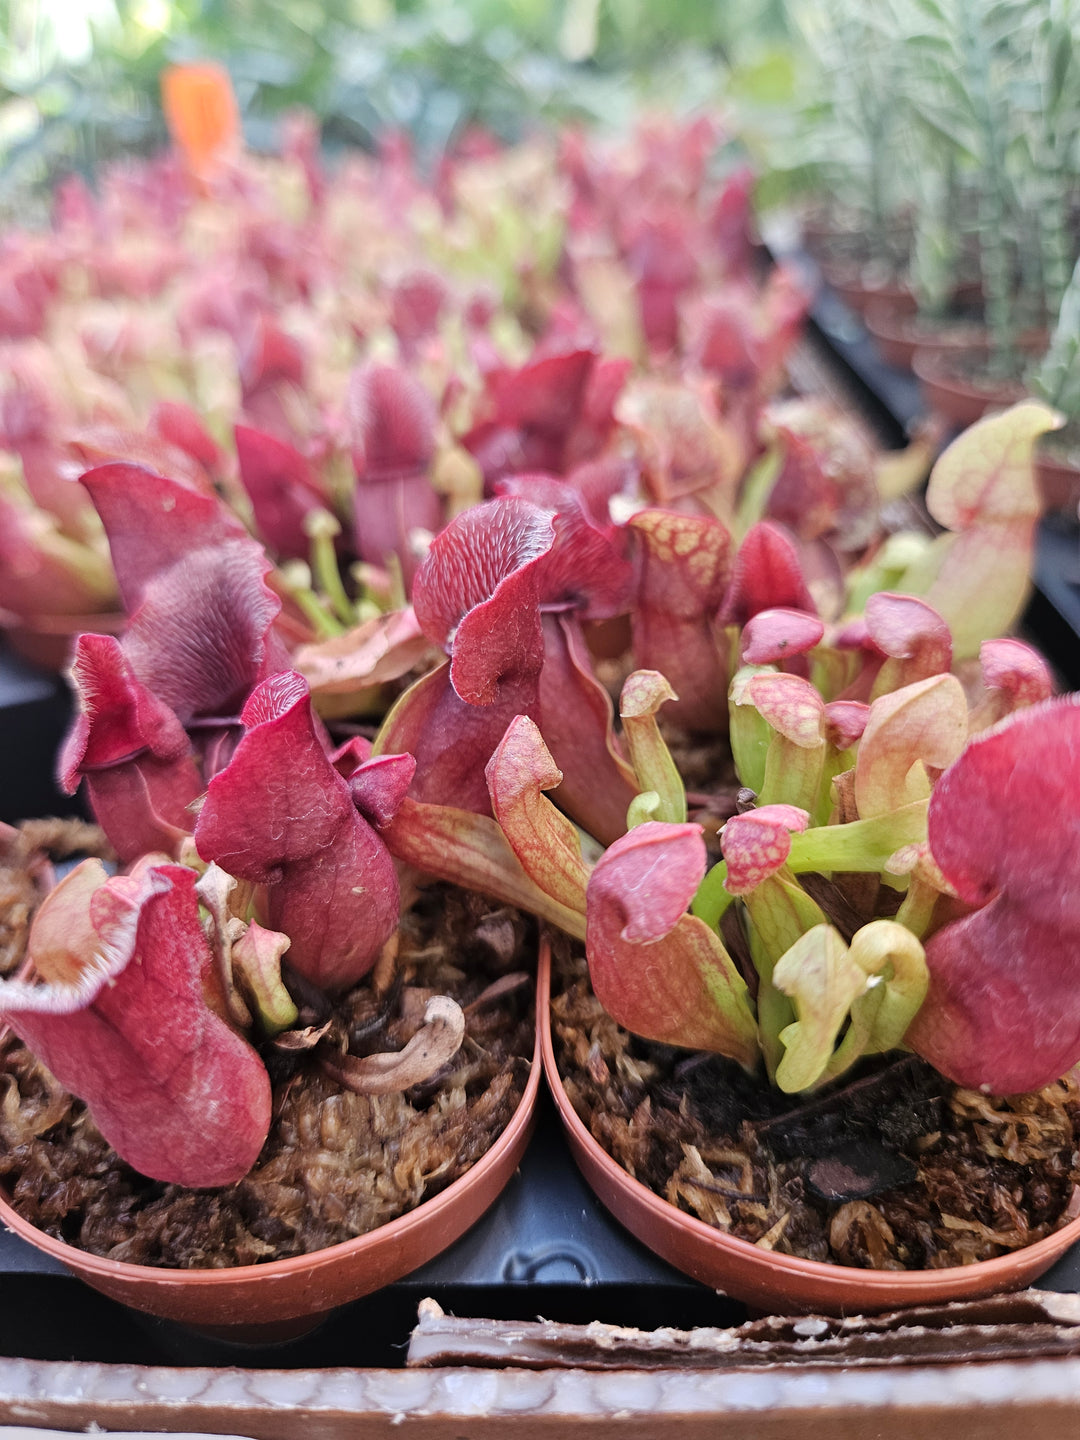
{"x":995,"y":89}
{"x":940,"y":137}
{"x":79,"y":78}
{"x":853,"y":133}
{"x":945,"y":135}
{"x":1056,"y":377}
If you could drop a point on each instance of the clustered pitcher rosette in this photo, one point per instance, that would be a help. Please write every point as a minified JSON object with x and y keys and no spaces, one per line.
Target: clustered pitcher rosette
{"x":559,"y":521}
{"x":214,"y":780}
{"x":275,"y":385}
{"x":865,"y":748}
{"x":905,"y":752}
{"x":353,"y":355}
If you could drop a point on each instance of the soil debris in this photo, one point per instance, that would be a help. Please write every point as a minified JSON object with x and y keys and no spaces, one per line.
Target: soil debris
{"x":26,"y":873}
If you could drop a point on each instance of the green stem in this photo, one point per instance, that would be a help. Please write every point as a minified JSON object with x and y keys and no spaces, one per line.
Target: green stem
{"x":917,"y":908}
{"x":780,"y":912}
{"x":793,"y":774}
{"x":861,"y":845}
{"x":297,"y":577}
{"x":1058,"y":137}
{"x":322,"y":527}
{"x":323,"y":622}
{"x":1055,"y":250}
{"x":650,"y":757}
{"x":756,"y":490}
{"x":836,"y":762}
{"x":775,"y":1011}
{"x":712,"y":899}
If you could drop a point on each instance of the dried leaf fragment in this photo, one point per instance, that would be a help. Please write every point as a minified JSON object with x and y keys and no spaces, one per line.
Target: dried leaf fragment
{"x":434,"y":1045}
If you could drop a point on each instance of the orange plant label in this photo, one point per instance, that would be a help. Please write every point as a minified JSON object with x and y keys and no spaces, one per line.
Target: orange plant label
{"x":201,"y":112}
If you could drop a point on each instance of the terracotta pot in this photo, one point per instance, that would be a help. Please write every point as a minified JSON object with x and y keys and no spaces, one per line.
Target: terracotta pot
{"x":957,"y":397}
{"x":863,"y":292}
{"x":961,"y":400}
{"x":831,"y":242}
{"x":764,"y":1279}
{"x":285,"y":1298}
{"x":1059,"y":483}
{"x":897,"y":337}
{"x":47,"y":641}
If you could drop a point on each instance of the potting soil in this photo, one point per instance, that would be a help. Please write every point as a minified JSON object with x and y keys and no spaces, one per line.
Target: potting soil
{"x":336,"y":1164}
{"x":890,"y":1168}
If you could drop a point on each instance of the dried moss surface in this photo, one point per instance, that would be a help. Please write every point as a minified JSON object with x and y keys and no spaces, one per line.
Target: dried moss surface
{"x":896,"y":1170}
{"x":336,"y":1164}
{"x":26,"y":854}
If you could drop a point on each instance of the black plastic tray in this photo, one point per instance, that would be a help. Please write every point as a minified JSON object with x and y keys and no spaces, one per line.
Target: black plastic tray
{"x":546,"y":1248}
{"x":35,"y":709}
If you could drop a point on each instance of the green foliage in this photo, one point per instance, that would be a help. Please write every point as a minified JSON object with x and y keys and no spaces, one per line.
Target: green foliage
{"x":1057,"y":377}
{"x":963,"y":117}
{"x":364,"y":66}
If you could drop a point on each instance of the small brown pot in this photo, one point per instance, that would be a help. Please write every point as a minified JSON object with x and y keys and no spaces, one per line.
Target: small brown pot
{"x":862,"y":292}
{"x":898,"y":337}
{"x":285,"y":1298}
{"x":961,"y":400}
{"x":764,"y":1279}
{"x":47,"y":641}
{"x":958,"y":398}
{"x":1059,"y":483}
{"x":833,"y":244}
